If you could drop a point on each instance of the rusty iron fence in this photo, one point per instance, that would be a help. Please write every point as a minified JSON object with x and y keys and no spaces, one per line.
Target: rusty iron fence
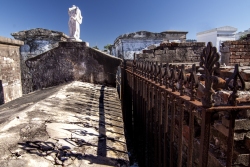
{"x":159,"y":98}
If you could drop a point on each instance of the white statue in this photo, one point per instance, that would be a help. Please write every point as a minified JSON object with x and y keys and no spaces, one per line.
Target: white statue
{"x":75,"y":19}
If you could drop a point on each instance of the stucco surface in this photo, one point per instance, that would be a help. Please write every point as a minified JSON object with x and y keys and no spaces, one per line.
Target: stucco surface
{"x":34,"y":42}
{"x":68,"y":62}
{"x":10,"y":78}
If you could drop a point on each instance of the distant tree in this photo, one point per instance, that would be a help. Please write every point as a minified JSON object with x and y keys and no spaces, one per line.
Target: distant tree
{"x":243,"y":37}
{"x":95,"y":47}
{"x":108,"y":47}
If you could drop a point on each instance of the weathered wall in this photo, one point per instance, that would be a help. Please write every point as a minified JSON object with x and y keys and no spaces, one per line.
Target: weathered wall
{"x":233,"y":52}
{"x":127,"y":44}
{"x":67,"y":62}
{"x":10,"y":73}
{"x":174,"y":52}
{"x":128,"y":47}
{"x":36,"y":41}
{"x":241,"y":34}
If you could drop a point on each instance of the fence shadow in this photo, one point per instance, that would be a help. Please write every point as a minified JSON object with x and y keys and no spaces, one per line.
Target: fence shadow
{"x":63,"y":153}
{"x":99,"y":147}
{"x":1,"y":93}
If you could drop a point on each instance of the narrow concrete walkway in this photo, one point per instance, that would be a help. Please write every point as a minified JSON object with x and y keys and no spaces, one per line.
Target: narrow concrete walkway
{"x":77,"y":124}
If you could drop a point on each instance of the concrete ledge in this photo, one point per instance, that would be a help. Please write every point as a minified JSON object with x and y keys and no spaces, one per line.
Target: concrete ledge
{"x":108,"y":55}
{"x":40,"y":34}
{"x":10,"y":41}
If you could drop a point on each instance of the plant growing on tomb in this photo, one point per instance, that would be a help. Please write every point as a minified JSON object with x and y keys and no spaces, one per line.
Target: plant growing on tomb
{"x":108,"y":47}
{"x":95,"y":47}
{"x":243,"y":37}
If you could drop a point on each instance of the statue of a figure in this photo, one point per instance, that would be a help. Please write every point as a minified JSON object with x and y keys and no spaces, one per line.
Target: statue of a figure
{"x":75,"y":19}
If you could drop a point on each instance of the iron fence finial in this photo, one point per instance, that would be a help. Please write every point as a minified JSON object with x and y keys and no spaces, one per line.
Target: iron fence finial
{"x":209,"y":62}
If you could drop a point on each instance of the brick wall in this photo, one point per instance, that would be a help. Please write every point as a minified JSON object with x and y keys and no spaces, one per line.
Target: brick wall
{"x":67,"y":62}
{"x":174,"y":52}
{"x":10,"y":74}
{"x":235,"y":52}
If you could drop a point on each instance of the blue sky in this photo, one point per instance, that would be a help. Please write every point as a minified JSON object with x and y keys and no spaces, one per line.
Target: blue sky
{"x":104,"y":20}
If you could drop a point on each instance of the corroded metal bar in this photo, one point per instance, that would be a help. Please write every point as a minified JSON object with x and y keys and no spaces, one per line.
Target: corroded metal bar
{"x":182,"y":80}
{"x":180,"y":128}
{"x":161,"y":106}
{"x":144,"y":92}
{"x":159,"y":103}
{"x":152,"y":122}
{"x":161,"y":133}
{"x":172,"y":152}
{"x":193,"y":83}
{"x":230,"y":140}
{"x":174,"y":79}
{"x":166,"y":111}
{"x":123,"y":83}
{"x":155,"y":125}
{"x":149,"y":122}
{"x":161,"y":74}
{"x":205,"y":133}
{"x":165,"y":128}
{"x":168,"y":76}
{"x":140,"y":120}
{"x":145,"y":120}
{"x":191,"y":137}
{"x":235,"y":77}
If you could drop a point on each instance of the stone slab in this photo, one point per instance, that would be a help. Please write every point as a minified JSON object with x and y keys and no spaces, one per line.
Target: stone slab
{"x":77,"y":124}
{"x":221,"y":128}
{"x":10,"y":41}
{"x":240,"y":124}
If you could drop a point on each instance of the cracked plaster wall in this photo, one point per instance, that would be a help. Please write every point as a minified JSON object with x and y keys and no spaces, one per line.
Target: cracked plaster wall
{"x":126,"y":48}
{"x":68,"y":62}
{"x":36,"y":41}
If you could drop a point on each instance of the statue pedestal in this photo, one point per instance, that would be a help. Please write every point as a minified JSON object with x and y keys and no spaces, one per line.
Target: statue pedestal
{"x":77,"y":40}
{"x":74,"y":39}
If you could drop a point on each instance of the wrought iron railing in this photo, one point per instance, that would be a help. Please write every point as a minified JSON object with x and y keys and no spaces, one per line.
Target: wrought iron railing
{"x":158,"y":99}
